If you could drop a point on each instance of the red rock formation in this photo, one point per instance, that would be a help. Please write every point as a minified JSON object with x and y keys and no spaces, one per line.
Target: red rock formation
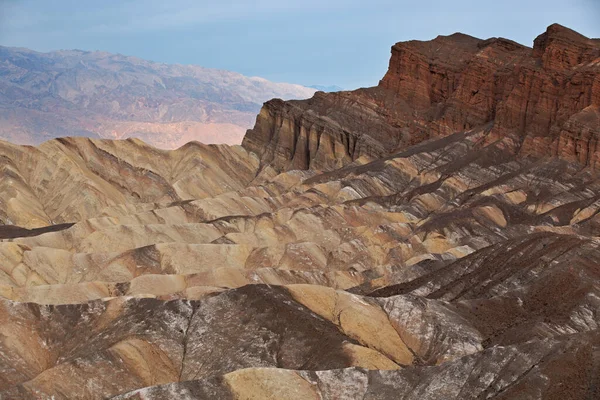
{"x":545,"y":100}
{"x":326,"y":132}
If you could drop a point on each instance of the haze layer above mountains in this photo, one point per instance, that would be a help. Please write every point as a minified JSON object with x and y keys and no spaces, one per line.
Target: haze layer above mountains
{"x":434,"y":237}
{"x":103,"y":95}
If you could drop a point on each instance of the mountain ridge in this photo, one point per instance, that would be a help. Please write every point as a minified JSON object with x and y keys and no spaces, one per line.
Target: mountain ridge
{"x":104,"y":95}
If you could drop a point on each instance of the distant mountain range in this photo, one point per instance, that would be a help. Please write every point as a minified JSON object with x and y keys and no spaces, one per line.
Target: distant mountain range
{"x":103,"y":95}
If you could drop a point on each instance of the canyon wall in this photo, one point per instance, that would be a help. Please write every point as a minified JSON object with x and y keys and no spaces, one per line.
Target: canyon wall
{"x":545,"y":100}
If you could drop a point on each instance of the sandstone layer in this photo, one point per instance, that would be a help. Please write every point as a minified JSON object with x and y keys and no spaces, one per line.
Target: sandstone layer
{"x":545,"y":98}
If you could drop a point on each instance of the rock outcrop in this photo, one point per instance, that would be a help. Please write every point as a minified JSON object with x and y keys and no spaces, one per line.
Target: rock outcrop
{"x":546,"y":99}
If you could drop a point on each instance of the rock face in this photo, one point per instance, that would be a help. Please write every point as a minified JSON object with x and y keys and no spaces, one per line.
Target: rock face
{"x":103,"y":95}
{"x":546,"y":99}
{"x":328,"y":131}
{"x":460,"y":266}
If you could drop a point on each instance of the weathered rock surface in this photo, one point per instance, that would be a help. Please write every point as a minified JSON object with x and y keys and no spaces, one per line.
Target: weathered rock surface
{"x":440,"y":256}
{"x":72,"y":179}
{"x":455,"y":267}
{"x":546,"y":99}
{"x":536,"y":370}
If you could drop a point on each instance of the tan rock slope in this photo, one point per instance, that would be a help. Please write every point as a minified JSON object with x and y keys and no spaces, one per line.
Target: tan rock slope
{"x":73,"y":179}
{"x":456,"y":267}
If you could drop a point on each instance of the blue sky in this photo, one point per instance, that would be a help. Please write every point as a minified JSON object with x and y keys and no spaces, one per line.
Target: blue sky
{"x":329,"y":42}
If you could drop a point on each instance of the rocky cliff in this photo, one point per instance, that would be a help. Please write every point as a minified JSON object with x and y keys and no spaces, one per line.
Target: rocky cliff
{"x":545,"y":99}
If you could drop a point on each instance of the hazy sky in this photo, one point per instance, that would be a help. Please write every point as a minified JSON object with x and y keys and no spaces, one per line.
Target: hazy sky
{"x":330,"y":42}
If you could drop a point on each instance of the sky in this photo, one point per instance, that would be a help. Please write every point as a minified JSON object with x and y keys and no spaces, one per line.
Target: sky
{"x":310,"y":42}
